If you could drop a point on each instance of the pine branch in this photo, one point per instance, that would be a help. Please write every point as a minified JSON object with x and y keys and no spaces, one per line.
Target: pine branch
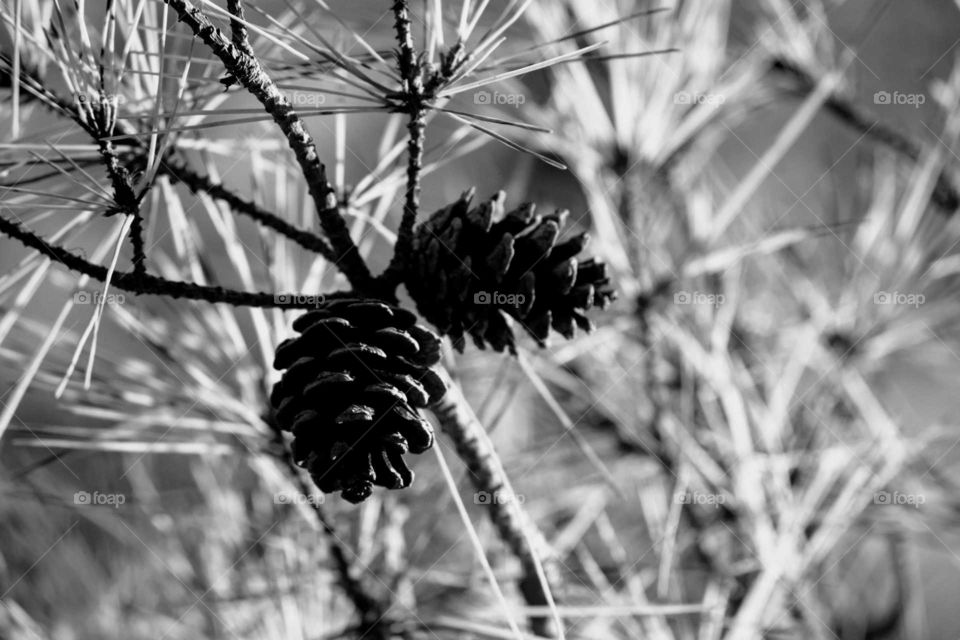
{"x":475,"y":449}
{"x":136,"y":241}
{"x":238,"y":29}
{"x":180,"y":172}
{"x":413,"y":99}
{"x":248,"y":72}
{"x":126,"y":202}
{"x":945,"y":194}
{"x":146,"y":284}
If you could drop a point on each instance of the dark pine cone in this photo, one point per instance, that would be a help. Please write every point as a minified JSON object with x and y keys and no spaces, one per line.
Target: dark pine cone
{"x":470,"y":265}
{"x":355,"y":377}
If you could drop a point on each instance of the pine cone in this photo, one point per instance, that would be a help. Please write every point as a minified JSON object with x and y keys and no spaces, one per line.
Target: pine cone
{"x":472,"y":266}
{"x":355,"y":377}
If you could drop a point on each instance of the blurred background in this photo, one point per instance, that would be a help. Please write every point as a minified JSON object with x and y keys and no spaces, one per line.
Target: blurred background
{"x":760,"y":433}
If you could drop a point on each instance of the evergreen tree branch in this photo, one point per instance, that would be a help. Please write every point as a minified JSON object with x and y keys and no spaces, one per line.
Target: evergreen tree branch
{"x":946,"y":194}
{"x":238,"y":30}
{"x":179,"y":172}
{"x":146,"y":284}
{"x":413,"y":98}
{"x":249,"y":73}
{"x":126,"y":202}
{"x":512,"y":523}
{"x":136,"y":241}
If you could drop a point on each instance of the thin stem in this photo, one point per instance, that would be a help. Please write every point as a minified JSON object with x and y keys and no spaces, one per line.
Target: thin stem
{"x":142,"y":283}
{"x":248,"y":71}
{"x":415,"y":103}
{"x":180,"y":172}
{"x":136,"y":240}
{"x":945,"y":193}
{"x":474,"y":448}
{"x":126,"y":202}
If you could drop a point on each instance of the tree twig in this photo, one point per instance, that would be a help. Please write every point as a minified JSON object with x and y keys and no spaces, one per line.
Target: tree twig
{"x":413,"y":99}
{"x":512,"y":523}
{"x":945,"y":194}
{"x":180,"y":172}
{"x":237,"y":28}
{"x":125,"y":201}
{"x":146,"y":284}
{"x":249,"y":73}
{"x":136,"y":241}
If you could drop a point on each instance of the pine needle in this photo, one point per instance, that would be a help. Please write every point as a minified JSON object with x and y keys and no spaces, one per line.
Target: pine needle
{"x":475,"y":541}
